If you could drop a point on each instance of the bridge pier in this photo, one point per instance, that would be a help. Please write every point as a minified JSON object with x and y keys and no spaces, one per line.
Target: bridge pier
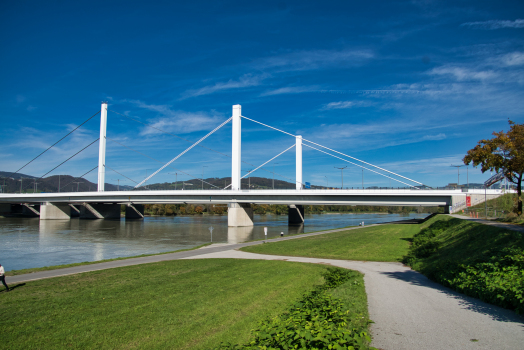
{"x":55,"y":211}
{"x":134,"y":211}
{"x":100,"y":211}
{"x":295,"y":214}
{"x":239,"y":214}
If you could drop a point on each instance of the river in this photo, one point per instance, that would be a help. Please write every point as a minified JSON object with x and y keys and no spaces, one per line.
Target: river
{"x":31,"y":242}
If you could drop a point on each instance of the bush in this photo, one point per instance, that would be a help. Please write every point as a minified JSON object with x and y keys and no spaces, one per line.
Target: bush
{"x":485,"y":263}
{"x":317,"y":321}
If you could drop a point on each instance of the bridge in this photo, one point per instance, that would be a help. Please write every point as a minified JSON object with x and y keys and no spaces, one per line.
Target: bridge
{"x":106,"y":204}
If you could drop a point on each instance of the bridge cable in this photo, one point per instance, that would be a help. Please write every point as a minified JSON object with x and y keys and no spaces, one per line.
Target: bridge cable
{"x":316,"y":144}
{"x":121,"y":174}
{"x":68,"y":159}
{"x":56,"y":143}
{"x":184,"y":152}
{"x":376,"y":172}
{"x":168,"y":133}
{"x":252,"y":171}
{"x":80,"y":177}
{"x":156,"y":160}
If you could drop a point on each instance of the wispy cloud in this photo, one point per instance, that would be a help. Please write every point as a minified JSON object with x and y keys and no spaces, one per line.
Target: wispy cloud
{"x":495,"y":24}
{"x":313,"y":59}
{"x":464,"y":74}
{"x":176,"y":121}
{"x":290,"y":90}
{"x":244,"y":81}
{"x":343,"y":105}
{"x":513,"y":59}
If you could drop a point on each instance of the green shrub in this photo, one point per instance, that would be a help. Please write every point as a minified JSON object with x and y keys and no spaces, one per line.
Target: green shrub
{"x":477,"y":260}
{"x":317,"y":321}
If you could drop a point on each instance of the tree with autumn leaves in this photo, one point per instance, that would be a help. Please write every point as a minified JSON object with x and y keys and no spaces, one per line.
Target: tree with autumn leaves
{"x":503,"y":153}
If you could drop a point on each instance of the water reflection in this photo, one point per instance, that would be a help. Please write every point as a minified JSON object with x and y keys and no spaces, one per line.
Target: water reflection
{"x":239,"y":234}
{"x":30,"y":242}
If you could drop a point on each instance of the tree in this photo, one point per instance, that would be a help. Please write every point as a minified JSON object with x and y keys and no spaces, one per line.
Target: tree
{"x":503,"y":153}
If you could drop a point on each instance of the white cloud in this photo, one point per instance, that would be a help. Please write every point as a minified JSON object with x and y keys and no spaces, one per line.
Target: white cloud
{"x":339,"y":105}
{"x":244,"y":81}
{"x":290,"y":90}
{"x":314,"y":59}
{"x":437,"y":137}
{"x":513,"y":59}
{"x":176,"y":121}
{"x":182,"y":123}
{"x":495,"y":24}
{"x":464,"y":74}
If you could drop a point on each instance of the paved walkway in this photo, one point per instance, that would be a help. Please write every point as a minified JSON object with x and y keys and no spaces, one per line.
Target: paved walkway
{"x":409,"y":311}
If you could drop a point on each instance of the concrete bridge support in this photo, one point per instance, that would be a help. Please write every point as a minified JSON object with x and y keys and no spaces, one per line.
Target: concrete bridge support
{"x":100,"y":211}
{"x":75,"y":210}
{"x":295,"y":214}
{"x":55,"y":211}
{"x":239,"y":214}
{"x":134,"y":211}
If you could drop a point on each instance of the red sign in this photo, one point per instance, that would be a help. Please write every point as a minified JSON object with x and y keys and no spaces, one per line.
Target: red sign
{"x":468,"y":201}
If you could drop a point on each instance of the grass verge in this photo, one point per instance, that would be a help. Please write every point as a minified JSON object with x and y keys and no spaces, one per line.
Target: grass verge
{"x":56,"y":267}
{"x":482,"y":261}
{"x":184,"y":304}
{"x":388,"y":242}
{"x":319,"y":320}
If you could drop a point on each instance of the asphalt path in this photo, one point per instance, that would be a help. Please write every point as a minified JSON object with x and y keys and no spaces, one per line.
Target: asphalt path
{"x":409,"y":311}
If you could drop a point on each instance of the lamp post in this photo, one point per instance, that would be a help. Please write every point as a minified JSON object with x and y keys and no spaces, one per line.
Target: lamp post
{"x":342,"y":175}
{"x":176,"y":180}
{"x":362,"y":178}
{"x":77,"y":184}
{"x":274,"y":175}
{"x":21,"y":184}
{"x":145,"y":184}
{"x":458,"y":173}
{"x":327,"y":184}
{"x":203,"y":166}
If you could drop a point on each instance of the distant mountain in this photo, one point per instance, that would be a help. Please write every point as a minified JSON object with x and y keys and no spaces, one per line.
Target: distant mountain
{"x":11,"y":183}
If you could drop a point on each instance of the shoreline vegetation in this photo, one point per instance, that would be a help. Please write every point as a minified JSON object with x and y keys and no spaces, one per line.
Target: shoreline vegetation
{"x":277,"y":209}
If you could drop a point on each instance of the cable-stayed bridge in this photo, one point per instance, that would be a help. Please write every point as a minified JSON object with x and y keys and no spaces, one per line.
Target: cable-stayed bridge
{"x":104,"y":204}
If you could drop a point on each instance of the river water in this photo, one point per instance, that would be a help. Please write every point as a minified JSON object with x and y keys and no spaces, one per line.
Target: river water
{"x":31,"y":242}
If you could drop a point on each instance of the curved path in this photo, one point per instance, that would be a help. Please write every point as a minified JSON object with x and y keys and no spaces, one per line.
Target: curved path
{"x":409,"y":311}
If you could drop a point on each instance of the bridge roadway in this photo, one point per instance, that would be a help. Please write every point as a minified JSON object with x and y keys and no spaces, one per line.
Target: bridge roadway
{"x":106,"y":204}
{"x":384,"y":197}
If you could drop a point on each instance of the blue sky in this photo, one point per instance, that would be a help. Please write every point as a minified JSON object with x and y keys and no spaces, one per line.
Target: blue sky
{"x":407,"y":85}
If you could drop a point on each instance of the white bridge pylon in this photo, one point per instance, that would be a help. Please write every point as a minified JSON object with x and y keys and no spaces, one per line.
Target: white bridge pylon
{"x":236,"y":158}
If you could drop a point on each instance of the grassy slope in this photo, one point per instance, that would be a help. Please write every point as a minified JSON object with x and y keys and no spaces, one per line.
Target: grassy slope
{"x":184,"y":304}
{"x":378,"y":243}
{"x":466,"y":241}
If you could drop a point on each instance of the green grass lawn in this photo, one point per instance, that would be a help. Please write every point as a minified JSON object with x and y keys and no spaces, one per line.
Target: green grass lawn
{"x":182,"y":304}
{"x":377,"y":243}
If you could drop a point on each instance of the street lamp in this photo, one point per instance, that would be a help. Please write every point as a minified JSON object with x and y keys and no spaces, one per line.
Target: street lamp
{"x":21,"y":184}
{"x":249,"y":178}
{"x":274,"y":175}
{"x":327,"y":184}
{"x":203,"y":166}
{"x":77,"y":184}
{"x":176,"y":180}
{"x":145,"y":184}
{"x":458,"y":173}
{"x":342,"y":175}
